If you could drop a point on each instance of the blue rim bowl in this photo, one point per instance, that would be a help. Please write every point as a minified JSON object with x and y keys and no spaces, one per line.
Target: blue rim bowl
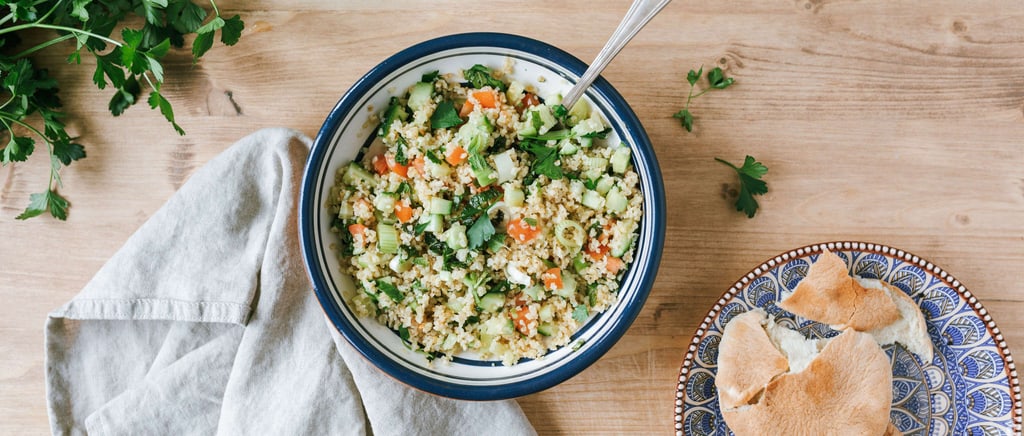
{"x":347,"y":128}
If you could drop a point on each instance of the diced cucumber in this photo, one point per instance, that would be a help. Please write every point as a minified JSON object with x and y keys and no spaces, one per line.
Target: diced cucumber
{"x":438,"y":170}
{"x":546,"y":329}
{"x":579,"y":112}
{"x":619,"y":250}
{"x":449,"y":341}
{"x":592,"y":200}
{"x":615,"y":201}
{"x":399,"y":265}
{"x":366,"y":260}
{"x":594,"y":167}
{"x":394,"y":112}
{"x":546,"y":313}
{"x":568,"y":285}
{"x":475,"y":135}
{"x":498,"y":325}
{"x":515,"y":93}
{"x":455,"y":237}
{"x":579,"y":263}
{"x":498,"y":348}
{"x":623,"y":237}
{"x":526,"y":128}
{"x":385,"y":202}
{"x":436,"y":224}
{"x":534,"y":291}
{"x":345,"y":209}
{"x":420,"y":95}
{"x":355,"y":174}
{"x":604,"y":184}
{"x":492,"y":302}
{"x":514,"y":197}
{"x":567,"y":148}
{"x":483,"y":172}
{"x":440,"y":206}
{"x":576,"y":188}
{"x":545,"y":120}
{"x":456,"y":304}
{"x":505,"y":165}
{"x":585,"y":142}
{"x":546,"y":117}
{"x":387,"y":238}
{"x":593,"y":124}
{"x":620,"y":159}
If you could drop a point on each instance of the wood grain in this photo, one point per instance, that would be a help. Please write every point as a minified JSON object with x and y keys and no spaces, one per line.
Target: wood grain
{"x":889,"y":122}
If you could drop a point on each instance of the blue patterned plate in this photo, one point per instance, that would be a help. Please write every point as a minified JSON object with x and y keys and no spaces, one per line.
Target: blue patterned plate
{"x":969,"y":388}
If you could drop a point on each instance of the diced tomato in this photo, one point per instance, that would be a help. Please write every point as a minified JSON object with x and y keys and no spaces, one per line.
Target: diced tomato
{"x":456,"y":155}
{"x":419,"y":164}
{"x":356,"y":229}
{"x":486,"y":99}
{"x":614,"y":264}
{"x":529,"y":99}
{"x":521,"y":316}
{"x":522,"y":231}
{"x":552,"y":279}
{"x":403,"y":211}
{"x":380,"y":164}
{"x":606,"y":234}
{"x":467,"y":108}
{"x":597,"y":253}
{"x":397,"y":168}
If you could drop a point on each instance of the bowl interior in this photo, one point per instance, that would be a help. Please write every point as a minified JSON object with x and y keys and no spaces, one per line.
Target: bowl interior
{"x":351,"y":125}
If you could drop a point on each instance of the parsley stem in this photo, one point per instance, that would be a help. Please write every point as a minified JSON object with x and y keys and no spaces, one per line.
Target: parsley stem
{"x":151,"y":85}
{"x":215,"y":10}
{"x":702,"y":92}
{"x":64,"y":28}
{"x":8,"y":117}
{"x":6,"y":18}
{"x":727,"y":163}
{"x":43,"y":45}
{"x":49,"y":12}
{"x":5,"y":117}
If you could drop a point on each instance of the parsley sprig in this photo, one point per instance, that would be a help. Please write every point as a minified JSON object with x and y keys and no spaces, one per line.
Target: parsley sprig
{"x":125,"y":65}
{"x":716,"y":80}
{"x":750,"y":183}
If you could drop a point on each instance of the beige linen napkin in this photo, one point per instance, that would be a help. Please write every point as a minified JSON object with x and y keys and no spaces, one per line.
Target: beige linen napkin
{"x":205,"y":323}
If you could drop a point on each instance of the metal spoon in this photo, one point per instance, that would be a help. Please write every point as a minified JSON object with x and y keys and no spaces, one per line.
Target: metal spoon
{"x":638,"y":15}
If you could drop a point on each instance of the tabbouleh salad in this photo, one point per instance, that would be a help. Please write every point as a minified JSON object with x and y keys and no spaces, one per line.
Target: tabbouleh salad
{"x":481,"y":221}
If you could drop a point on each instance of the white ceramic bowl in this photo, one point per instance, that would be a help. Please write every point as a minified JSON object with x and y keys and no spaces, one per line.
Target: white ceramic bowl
{"x":348,"y":128}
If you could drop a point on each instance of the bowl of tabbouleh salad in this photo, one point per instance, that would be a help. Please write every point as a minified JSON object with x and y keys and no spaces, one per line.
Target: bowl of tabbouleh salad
{"x":469,"y":235}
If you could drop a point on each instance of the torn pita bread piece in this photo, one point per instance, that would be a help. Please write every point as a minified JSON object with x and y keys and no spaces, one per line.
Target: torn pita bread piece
{"x":829,"y":295}
{"x":772,"y":380}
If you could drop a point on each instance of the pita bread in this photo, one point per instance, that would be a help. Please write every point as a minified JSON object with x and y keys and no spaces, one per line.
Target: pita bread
{"x":747,"y":338}
{"x":834,"y":394}
{"x":830,"y":295}
{"x":910,"y":330}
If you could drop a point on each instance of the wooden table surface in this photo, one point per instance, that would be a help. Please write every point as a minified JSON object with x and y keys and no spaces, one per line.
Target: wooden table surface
{"x":898,"y":123}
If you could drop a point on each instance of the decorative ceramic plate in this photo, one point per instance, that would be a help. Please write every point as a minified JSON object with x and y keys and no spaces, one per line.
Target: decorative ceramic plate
{"x":969,"y":388}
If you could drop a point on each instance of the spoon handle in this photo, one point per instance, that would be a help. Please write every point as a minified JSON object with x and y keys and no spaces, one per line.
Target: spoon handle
{"x":638,"y":15}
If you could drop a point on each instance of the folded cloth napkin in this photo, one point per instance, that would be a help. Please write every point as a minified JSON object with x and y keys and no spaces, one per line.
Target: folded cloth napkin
{"x":204,"y":323}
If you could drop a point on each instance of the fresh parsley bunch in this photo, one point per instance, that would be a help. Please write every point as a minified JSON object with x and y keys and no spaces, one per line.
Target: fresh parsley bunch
{"x":29,"y":96}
